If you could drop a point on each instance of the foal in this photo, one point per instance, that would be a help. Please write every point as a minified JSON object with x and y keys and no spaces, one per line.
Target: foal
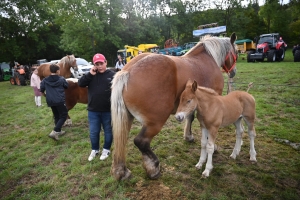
{"x":213,"y":112}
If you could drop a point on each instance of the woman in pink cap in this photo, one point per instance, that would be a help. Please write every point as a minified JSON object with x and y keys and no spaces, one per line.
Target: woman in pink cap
{"x":98,"y":80}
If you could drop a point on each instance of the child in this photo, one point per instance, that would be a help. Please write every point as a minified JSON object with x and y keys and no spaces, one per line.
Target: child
{"x":55,"y":86}
{"x":35,"y":82}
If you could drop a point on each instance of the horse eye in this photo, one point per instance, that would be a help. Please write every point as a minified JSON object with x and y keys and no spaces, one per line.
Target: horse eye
{"x":189,"y":101}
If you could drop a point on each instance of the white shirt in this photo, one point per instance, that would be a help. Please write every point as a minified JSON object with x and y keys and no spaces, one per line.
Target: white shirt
{"x":119,"y":65}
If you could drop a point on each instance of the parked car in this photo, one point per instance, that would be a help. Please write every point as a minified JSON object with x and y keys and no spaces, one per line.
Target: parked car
{"x":83,"y":67}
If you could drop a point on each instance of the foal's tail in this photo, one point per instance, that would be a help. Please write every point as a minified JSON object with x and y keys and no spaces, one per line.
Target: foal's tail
{"x":120,"y":116}
{"x":249,"y":86}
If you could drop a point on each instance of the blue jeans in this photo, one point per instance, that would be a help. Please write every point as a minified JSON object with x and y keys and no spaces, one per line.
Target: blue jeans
{"x":96,"y":121}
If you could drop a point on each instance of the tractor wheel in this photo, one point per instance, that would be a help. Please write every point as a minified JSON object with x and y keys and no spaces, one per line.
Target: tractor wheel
{"x":17,"y":81}
{"x":248,"y":57}
{"x":12,"y":81}
{"x":271,"y":56}
{"x":22,"y":79}
{"x":280,"y":54}
{"x":297,"y":56}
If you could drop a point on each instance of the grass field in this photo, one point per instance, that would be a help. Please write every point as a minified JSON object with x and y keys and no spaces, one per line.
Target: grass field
{"x":33,"y":166}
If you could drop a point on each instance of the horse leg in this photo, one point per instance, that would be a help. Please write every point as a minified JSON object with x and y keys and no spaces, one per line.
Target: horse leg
{"x":238,"y":143}
{"x":212,"y":134}
{"x":188,"y":135}
{"x":68,"y":122}
{"x":119,"y":169}
{"x":142,"y":141}
{"x":251,"y":132}
{"x":203,"y":154}
{"x":70,"y":103}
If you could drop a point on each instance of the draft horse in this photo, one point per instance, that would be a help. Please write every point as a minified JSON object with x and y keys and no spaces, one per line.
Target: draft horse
{"x":65,"y":64}
{"x":215,"y":111}
{"x":148,"y":88}
{"x":74,"y":94}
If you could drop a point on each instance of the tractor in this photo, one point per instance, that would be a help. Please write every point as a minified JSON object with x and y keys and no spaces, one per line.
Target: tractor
{"x":270,"y":46}
{"x":296,"y":53}
{"x":21,"y":75}
{"x":5,"y":72}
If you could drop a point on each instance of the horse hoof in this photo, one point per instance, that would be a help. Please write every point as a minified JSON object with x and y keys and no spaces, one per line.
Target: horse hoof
{"x":121,"y":173}
{"x":205,"y":174}
{"x":127,"y":175}
{"x":154,"y":176}
{"x":189,"y":139}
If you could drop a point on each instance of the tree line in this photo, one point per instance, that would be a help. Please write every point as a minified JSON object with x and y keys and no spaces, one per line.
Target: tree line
{"x":34,"y":29}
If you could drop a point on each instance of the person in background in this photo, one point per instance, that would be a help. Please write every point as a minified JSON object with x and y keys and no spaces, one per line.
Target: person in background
{"x":120,"y":63}
{"x":140,"y":52}
{"x":295,"y":48}
{"x":98,"y":80}
{"x":35,"y":83}
{"x":55,"y":86}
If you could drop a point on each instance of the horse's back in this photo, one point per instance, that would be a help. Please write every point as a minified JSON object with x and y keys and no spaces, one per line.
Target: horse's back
{"x":156,"y":81}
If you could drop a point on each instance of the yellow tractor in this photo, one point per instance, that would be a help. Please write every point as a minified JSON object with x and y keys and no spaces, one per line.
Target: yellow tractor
{"x":130,"y":52}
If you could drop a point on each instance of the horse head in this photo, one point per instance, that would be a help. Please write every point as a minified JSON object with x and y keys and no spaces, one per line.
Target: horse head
{"x":188,"y":101}
{"x":229,"y":65}
{"x":72,"y":62}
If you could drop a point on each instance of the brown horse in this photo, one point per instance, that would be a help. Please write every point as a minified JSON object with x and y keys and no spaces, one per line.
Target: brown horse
{"x":215,"y":111}
{"x":74,"y":94}
{"x":65,"y":64}
{"x":148,"y":89}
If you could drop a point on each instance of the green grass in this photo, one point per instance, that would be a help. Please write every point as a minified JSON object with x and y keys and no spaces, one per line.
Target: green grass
{"x":32,"y":166}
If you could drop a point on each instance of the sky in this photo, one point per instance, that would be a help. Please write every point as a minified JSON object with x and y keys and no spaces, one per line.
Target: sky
{"x":261,"y":2}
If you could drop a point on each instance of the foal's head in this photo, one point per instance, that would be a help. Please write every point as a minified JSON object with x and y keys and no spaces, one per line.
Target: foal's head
{"x":188,"y":101}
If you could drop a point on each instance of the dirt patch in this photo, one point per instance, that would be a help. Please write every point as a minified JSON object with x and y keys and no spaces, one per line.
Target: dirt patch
{"x":153,"y":190}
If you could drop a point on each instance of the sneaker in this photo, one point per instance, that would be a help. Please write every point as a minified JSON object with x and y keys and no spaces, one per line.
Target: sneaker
{"x":93,"y":155}
{"x":105,"y":154}
{"x":61,"y":133}
{"x":54,"y":135}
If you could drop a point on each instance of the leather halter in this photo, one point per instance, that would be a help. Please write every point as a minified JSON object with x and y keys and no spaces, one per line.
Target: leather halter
{"x":233,"y":65}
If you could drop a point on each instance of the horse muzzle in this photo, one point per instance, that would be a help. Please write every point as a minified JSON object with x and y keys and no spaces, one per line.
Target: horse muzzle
{"x":179,"y":116}
{"x":75,"y":68}
{"x":232,"y":73}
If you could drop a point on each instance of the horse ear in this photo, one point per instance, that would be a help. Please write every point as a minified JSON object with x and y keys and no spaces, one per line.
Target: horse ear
{"x":194,"y":86}
{"x":233,"y":37}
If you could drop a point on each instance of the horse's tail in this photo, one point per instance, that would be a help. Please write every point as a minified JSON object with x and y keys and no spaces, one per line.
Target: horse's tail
{"x":120,"y":116}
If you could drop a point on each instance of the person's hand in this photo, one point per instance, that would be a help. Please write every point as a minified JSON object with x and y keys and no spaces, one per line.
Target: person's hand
{"x":93,"y":70}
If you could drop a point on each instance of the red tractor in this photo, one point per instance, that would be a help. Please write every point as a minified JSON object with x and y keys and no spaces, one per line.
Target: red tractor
{"x":270,"y":46}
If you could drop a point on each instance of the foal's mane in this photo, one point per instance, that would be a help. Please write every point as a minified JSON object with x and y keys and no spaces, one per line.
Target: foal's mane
{"x":216,"y":47}
{"x":208,"y":90}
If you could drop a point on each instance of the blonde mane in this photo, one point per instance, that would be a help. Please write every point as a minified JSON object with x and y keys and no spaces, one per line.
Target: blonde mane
{"x":68,"y":59}
{"x":216,"y":47}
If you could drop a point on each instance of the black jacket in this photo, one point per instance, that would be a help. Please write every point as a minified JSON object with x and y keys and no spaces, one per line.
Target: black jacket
{"x":55,"y":88}
{"x":99,"y":90}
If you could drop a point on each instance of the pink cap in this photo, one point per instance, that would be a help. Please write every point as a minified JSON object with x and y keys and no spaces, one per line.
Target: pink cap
{"x":98,"y":58}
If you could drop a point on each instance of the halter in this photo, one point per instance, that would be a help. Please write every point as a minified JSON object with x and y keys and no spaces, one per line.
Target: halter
{"x":233,"y":65}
